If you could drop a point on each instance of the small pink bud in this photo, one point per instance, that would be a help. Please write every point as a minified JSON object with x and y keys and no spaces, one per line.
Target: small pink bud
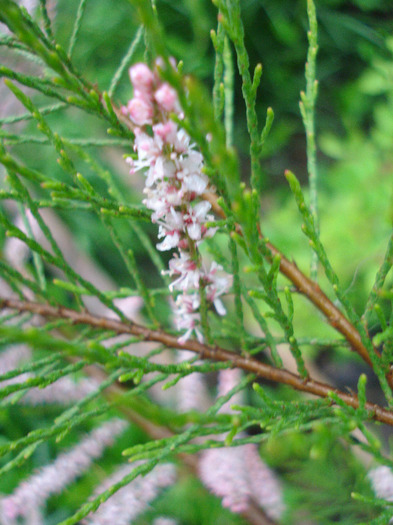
{"x":166,"y":131}
{"x":10,"y":509}
{"x":166,"y":98}
{"x":160,"y":64}
{"x":173,"y":63}
{"x":145,"y":95}
{"x":140,"y":111}
{"x":141,"y":77}
{"x":183,"y":244}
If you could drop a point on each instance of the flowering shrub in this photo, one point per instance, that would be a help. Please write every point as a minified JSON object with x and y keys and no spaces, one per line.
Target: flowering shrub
{"x":188,"y":355}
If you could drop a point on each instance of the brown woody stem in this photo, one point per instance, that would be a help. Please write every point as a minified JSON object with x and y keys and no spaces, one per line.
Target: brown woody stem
{"x":249,"y":364}
{"x":313,"y":292}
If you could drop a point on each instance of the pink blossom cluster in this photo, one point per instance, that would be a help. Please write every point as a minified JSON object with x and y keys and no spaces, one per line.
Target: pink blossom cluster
{"x":174,"y":189}
{"x":237,"y":474}
{"x":125,"y":505}
{"x":382,"y":482}
{"x":31,"y":495}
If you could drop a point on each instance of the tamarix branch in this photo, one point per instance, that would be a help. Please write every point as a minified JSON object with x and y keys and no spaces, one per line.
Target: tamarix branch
{"x":170,"y":350}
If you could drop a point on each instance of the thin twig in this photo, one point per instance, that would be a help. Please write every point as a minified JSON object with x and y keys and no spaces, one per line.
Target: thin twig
{"x":215,"y":353}
{"x":125,"y":62}
{"x":307,"y":109}
{"x":313,"y":292}
{"x":77,"y":26}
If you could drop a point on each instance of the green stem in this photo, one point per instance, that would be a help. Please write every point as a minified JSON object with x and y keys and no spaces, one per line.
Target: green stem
{"x":77,"y":26}
{"x":125,"y":62}
{"x":228,"y":92}
{"x":307,"y":109}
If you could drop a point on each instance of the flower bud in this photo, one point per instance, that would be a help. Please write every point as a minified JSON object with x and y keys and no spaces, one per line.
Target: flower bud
{"x":166,"y":98}
{"x":140,"y":111}
{"x":141,"y":77}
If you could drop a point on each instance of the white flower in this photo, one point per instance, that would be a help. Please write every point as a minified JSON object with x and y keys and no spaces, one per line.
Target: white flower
{"x":218,"y":285}
{"x":170,"y":228}
{"x":182,"y":142}
{"x":186,"y":268}
{"x":171,"y":241}
{"x":159,"y":170}
{"x":191,"y":162}
{"x":147,"y":148}
{"x":196,"y":183}
{"x":187,"y":316}
{"x":194,"y":219}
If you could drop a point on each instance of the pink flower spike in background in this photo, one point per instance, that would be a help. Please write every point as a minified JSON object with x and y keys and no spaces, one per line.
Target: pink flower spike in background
{"x":382,"y":482}
{"x":32,"y":493}
{"x":132,"y":499}
{"x":237,"y":474}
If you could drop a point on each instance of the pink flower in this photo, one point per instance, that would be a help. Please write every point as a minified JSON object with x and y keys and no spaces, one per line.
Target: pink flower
{"x":237,"y":474}
{"x":227,"y":380}
{"x":191,"y":391}
{"x":264,"y":485}
{"x":174,"y":184}
{"x":222,"y":471}
{"x":141,"y":77}
{"x":382,"y":482}
{"x":54,"y":478}
{"x":125,"y":505}
{"x":166,"y":130}
{"x":140,"y":111}
{"x":164,"y":521}
{"x":161,"y":199}
{"x":166,"y":98}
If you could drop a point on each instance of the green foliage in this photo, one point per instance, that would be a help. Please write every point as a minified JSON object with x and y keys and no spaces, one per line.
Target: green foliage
{"x":62,"y":162}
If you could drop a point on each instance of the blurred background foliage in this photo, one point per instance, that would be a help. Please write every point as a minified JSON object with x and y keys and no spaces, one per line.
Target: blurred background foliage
{"x":354,"y":122}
